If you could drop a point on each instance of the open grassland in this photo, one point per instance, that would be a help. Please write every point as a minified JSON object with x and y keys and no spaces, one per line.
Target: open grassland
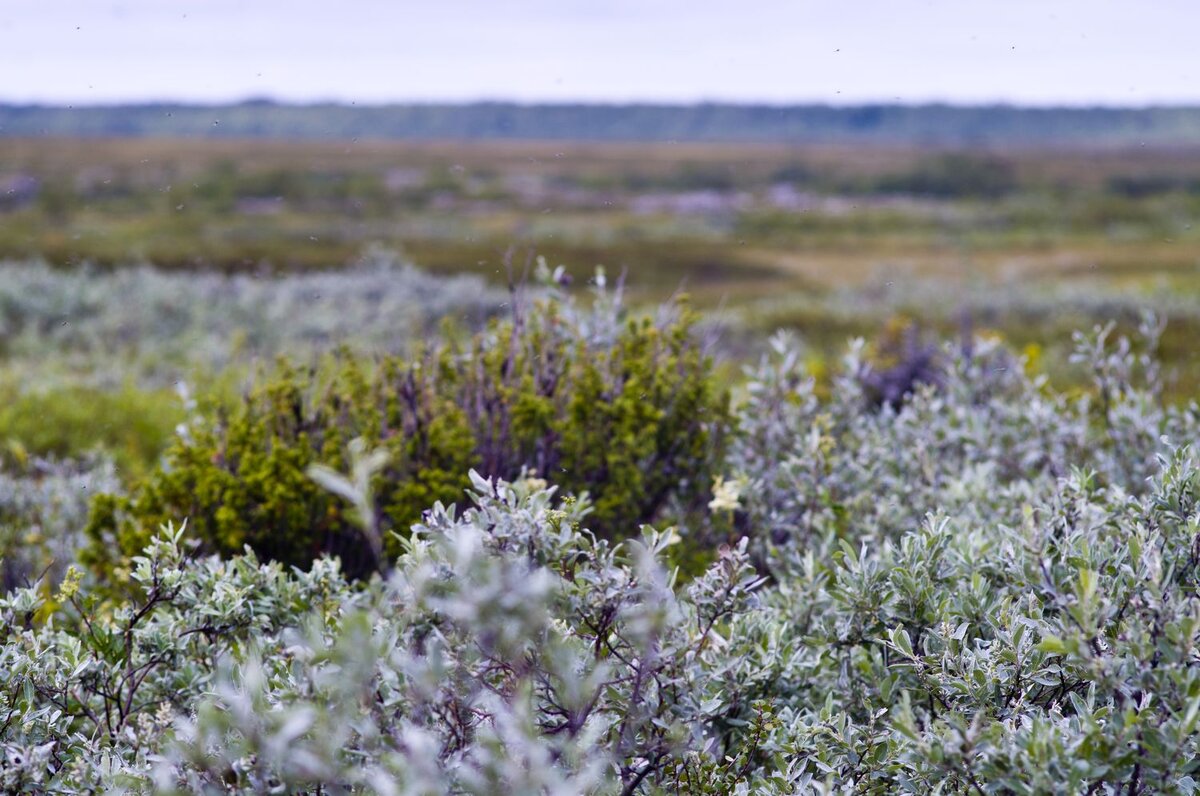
{"x":196,"y":261}
{"x":726,"y":219}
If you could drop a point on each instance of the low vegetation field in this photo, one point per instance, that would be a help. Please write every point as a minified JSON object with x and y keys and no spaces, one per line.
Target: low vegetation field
{"x":616,"y":468}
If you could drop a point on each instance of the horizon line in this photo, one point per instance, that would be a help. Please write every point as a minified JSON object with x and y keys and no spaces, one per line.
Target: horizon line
{"x":265,"y":100}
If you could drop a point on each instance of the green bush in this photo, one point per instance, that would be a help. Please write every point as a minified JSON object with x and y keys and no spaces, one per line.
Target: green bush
{"x":625,"y":409}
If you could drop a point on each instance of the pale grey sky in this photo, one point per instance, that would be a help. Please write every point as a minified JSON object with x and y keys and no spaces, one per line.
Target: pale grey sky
{"x":1021,"y":51}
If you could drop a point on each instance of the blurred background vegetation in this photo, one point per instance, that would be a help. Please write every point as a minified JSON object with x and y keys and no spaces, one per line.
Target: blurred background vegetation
{"x":157,"y":248}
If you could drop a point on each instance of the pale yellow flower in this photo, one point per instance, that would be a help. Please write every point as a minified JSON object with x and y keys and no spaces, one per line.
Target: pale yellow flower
{"x":726,"y":494}
{"x":535,"y":484}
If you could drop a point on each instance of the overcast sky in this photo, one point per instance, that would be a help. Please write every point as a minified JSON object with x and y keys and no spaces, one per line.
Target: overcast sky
{"x":1021,"y":51}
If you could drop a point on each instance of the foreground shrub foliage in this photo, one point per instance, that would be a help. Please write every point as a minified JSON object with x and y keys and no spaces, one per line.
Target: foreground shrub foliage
{"x":978,"y":587}
{"x":624,"y":409}
{"x":507,"y":652}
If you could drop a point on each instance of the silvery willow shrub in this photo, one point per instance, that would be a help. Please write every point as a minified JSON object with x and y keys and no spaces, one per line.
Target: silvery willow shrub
{"x":979,"y":444}
{"x":508,"y":651}
{"x":1016,"y":304}
{"x":988,"y":589}
{"x":43,"y":509}
{"x":624,"y":408}
{"x":1056,"y":655}
{"x":103,"y":326}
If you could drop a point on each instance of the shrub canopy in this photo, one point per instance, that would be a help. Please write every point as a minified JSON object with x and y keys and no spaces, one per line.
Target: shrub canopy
{"x":983,"y":588}
{"x":625,"y":409}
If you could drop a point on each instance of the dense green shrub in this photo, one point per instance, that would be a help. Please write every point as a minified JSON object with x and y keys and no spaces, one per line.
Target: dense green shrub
{"x":622,"y":408}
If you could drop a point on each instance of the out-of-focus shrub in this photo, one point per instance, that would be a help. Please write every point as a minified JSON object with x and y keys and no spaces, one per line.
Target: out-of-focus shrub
{"x":899,"y":363}
{"x":625,"y":409}
{"x":43,"y":510}
{"x":954,"y":175}
{"x":157,"y":327}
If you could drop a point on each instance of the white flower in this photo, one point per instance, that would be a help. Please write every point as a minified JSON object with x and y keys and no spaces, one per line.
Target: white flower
{"x":726,"y":494}
{"x":535,"y":484}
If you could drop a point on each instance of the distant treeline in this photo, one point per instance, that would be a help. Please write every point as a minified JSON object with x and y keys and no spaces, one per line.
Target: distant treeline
{"x":942,"y":125}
